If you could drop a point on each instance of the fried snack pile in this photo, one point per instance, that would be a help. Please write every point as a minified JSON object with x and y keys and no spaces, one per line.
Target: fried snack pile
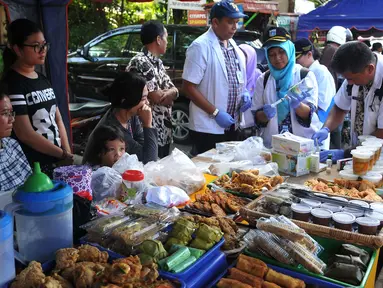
{"x":248,"y":182}
{"x":87,"y":267}
{"x":356,"y":189}
{"x":226,"y":225}
{"x":218,"y":203}
{"x":251,"y":272}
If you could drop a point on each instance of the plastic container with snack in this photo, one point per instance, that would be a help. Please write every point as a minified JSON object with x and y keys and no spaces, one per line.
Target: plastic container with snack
{"x":343,"y":220}
{"x":374,"y":143}
{"x":360,"y":203}
{"x":376,"y":215}
{"x":355,"y":212}
{"x":377,"y":206}
{"x":373,"y":177}
{"x":321,"y":216}
{"x":301,"y":212}
{"x":367,"y":225}
{"x":332,"y":207}
{"x":348,"y":175}
{"x":311,"y":203}
{"x":371,"y":148}
{"x":362,"y":161}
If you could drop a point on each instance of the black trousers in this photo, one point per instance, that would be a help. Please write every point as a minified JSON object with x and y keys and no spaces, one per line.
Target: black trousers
{"x":205,"y":141}
{"x":163,"y":151}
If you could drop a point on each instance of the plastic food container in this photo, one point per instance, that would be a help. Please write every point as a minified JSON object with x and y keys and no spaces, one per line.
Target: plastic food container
{"x":373,"y":177}
{"x":377,"y":206}
{"x":355,"y":212}
{"x":310,"y":203}
{"x":301,"y":212}
{"x":332,"y":207}
{"x":361,"y":161}
{"x":360,"y":203}
{"x":132,"y":184}
{"x":343,"y":220}
{"x":363,"y":138}
{"x":340,"y":199}
{"x":348,"y":175}
{"x":377,"y":216}
{"x":321,"y":216}
{"x":374,"y":143}
{"x":373,"y":148}
{"x":367,"y":225}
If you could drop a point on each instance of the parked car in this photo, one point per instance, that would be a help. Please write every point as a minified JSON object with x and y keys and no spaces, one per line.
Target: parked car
{"x":98,"y":63}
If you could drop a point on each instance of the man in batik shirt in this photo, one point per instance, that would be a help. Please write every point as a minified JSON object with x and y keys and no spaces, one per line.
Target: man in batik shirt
{"x":162,"y":91}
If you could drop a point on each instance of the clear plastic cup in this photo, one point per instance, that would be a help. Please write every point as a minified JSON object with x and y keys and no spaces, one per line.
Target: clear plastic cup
{"x":373,"y":148}
{"x":361,"y":161}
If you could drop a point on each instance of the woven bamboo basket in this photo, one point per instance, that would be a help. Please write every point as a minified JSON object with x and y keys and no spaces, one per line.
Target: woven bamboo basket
{"x":247,"y":213}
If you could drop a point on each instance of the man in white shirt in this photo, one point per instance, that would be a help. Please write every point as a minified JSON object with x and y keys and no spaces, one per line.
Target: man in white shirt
{"x":326,"y":86}
{"x":361,"y":92}
{"x":214,"y":78}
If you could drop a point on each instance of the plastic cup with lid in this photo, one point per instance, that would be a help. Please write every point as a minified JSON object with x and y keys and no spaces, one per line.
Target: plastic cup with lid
{"x":367,"y":225}
{"x":348,"y":175}
{"x":378,"y":206}
{"x":360,"y":203}
{"x":311,"y":203}
{"x":376,"y":215}
{"x":374,"y":143}
{"x":343,"y":220}
{"x":321,"y":216}
{"x":340,"y":199}
{"x":332,"y":207}
{"x":133,"y":185}
{"x":362,"y":161}
{"x":373,"y":177}
{"x":363,"y":138}
{"x":301,"y":212}
{"x":373,"y":148}
{"x":355,"y":212}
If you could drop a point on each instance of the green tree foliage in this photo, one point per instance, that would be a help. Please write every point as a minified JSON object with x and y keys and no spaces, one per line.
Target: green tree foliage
{"x":88,"y":19}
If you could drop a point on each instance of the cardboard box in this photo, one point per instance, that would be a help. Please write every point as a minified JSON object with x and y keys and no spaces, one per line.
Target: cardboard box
{"x":291,"y":144}
{"x":295,"y":165}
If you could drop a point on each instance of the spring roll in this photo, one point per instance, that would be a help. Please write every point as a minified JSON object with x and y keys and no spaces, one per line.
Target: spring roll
{"x":244,"y":277}
{"x":284,"y":280}
{"x":231,"y":283}
{"x":266,"y":284}
{"x":252,"y":266}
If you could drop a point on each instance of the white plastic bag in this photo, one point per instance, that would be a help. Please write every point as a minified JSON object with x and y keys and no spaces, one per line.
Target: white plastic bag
{"x":176,"y":170}
{"x":250,"y":149}
{"x":167,"y":196}
{"x":128,"y":162}
{"x":106,"y":182}
{"x":225,"y":167}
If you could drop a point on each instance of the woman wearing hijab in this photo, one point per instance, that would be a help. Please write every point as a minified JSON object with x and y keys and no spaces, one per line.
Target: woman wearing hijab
{"x":252,"y":74}
{"x":297,"y":115}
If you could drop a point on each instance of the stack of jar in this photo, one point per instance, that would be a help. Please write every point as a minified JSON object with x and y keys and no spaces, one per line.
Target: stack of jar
{"x":366,"y":156}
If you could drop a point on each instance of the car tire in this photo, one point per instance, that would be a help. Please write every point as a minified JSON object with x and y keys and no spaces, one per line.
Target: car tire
{"x":180,"y":122}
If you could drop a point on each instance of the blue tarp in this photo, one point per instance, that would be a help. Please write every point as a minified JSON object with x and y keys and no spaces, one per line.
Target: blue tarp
{"x":52,"y":17}
{"x":358,"y":14}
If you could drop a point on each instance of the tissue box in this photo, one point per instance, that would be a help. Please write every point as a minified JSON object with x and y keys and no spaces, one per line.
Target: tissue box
{"x":293,"y":145}
{"x":295,"y":165}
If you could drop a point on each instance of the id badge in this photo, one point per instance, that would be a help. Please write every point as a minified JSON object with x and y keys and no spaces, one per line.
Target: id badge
{"x":240,"y":77}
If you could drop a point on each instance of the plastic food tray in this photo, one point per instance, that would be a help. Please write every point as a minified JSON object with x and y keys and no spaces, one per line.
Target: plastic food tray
{"x":331,"y":247}
{"x":197,"y":275}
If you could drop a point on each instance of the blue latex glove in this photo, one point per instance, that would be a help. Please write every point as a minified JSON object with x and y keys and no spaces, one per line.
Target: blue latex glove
{"x":321,"y":135}
{"x":246,"y":101}
{"x":269,"y":111}
{"x":296,"y":100}
{"x":224,"y":119}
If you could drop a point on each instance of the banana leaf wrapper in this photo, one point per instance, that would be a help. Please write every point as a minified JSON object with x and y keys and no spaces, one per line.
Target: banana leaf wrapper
{"x":209,"y":234}
{"x":176,"y":258}
{"x":171,"y":241}
{"x":185,"y":264}
{"x":146,"y":259}
{"x":197,"y":253}
{"x":154,"y":248}
{"x":201,"y":244}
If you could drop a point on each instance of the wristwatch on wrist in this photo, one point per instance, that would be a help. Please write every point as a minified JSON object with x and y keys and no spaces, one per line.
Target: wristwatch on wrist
{"x":215,"y":113}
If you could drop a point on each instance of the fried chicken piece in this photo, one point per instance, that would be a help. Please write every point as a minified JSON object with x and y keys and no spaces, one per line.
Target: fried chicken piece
{"x":207,"y":207}
{"x":88,"y":253}
{"x":248,"y":189}
{"x":246,"y":178}
{"x":364,"y":185}
{"x":211,"y":221}
{"x":66,"y":257}
{"x":50,"y":282}
{"x":84,"y":276}
{"x":217,"y":211}
{"x":232,"y":206}
{"x":63,"y":282}
{"x":30,"y":277}
{"x":225,"y":227}
{"x":125,"y":270}
{"x":274,"y":181}
{"x":69,"y":274}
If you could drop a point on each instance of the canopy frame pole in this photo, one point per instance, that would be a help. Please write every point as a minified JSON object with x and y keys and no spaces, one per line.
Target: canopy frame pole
{"x":250,"y":19}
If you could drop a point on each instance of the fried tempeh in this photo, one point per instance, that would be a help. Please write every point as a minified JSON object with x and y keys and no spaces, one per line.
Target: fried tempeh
{"x":231,"y":283}
{"x":244,"y":277}
{"x":284,"y":280}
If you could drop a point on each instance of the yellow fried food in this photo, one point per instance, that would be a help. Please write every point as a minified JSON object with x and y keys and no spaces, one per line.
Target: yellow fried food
{"x":90,"y":253}
{"x":30,"y":277}
{"x":66,"y":257}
